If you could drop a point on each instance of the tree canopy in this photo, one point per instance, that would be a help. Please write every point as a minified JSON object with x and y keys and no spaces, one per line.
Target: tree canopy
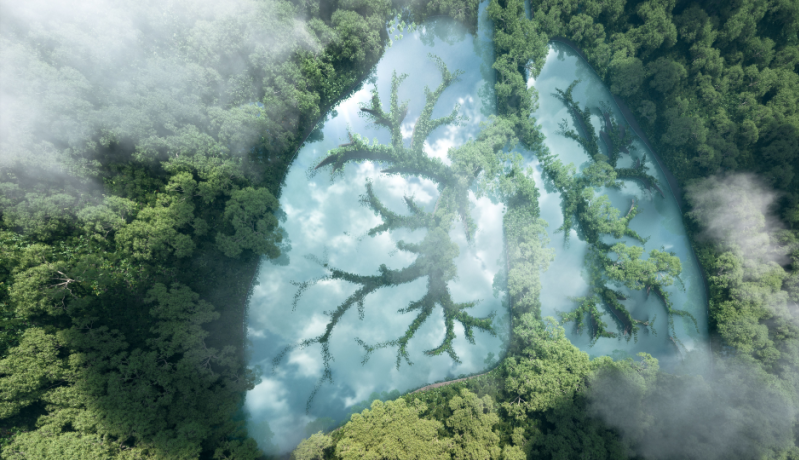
{"x":139,"y":183}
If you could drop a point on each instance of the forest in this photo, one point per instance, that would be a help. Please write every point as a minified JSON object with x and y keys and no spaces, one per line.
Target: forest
{"x":143,"y":150}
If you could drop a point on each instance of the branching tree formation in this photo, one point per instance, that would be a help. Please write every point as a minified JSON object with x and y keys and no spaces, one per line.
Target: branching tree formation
{"x":480,"y":162}
{"x":140,"y":190}
{"x":594,"y":216}
{"x":554,"y":402}
{"x":109,"y":346}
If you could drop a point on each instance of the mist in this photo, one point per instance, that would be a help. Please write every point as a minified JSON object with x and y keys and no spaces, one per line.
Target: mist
{"x":734,"y":212}
{"x":711,"y":408}
{"x":727,"y":404}
{"x":80,"y":75}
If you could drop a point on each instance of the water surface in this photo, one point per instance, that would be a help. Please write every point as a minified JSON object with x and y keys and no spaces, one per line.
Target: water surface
{"x":659,"y":219}
{"x":326,"y":224}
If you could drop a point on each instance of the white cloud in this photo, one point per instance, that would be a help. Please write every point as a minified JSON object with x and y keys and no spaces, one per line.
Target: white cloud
{"x":75,"y":67}
{"x":349,"y":108}
{"x":362,"y":392}
{"x":326,"y":220}
{"x":269,"y":395}
{"x":316,"y":325}
{"x":259,"y":333}
{"x":407,"y":129}
{"x":308,"y":361}
{"x":439,"y":149}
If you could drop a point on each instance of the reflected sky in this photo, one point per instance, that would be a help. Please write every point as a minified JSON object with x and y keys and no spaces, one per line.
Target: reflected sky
{"x":659,"y":219}
{"x":326,"y":223}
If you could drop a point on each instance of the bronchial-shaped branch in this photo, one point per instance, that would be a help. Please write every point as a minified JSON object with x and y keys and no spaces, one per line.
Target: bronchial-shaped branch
{"x":357,"y":150}
{"x":368,"y":285}
{"x":436,"y":253}
{"x":596,"y":217}
{"x":400,"y":159}
{"x":418,"y":218}
{"x":425,"y":125}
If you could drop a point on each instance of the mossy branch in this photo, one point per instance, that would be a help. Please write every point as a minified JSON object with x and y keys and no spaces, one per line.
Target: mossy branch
{"x":391,"y":220}
{"x":436,"y":253}
{"x":357,"y":150}
{"x":630,"y":328}
{"x":587,"y":307}
{"x":425,"y":125}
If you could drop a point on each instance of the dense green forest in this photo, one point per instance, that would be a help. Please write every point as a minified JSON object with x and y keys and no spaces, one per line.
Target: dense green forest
{"x":139,"y":179}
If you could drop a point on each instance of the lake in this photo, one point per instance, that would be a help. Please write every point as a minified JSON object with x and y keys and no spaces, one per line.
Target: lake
{"x":659,"y":219}
{"x":326,"y":224}
{"x":326,"y":227}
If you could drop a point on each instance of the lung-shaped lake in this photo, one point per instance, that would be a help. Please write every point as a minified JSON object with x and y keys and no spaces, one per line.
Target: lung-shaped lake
{"x":658,"y":221}
{"x":327,"y":226}
{"x":312,"y":376}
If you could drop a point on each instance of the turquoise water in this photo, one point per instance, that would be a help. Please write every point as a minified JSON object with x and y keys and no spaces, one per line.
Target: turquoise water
{"x":326,"y":225}
{"x":325,"y":222}
{"x":659,"y":218}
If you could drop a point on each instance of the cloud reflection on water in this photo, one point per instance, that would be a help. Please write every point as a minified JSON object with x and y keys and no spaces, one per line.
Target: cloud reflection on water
{"x":325,"y":219}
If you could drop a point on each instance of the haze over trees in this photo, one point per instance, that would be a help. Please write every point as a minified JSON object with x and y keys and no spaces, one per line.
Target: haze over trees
{"x":478,"y":165}
{"x":142,"y":148}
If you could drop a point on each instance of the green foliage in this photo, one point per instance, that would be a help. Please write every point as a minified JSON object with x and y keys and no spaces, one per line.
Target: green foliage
{"x":596,"y":217}
{"x":358,"y":39}
{"x":45,"y":443}
{"x":464,"y":11}
{"x":155,"y":233}
{"x":250,"y":212}
{"x":546,"y":366}
{"x":587,"y":137}
{"x":545,"y":391}
{"x":374,"y":396}
{"x":587,"y":306}
{"x":644,"y":403}
{"x":313,"y":447}
{"x":602,"y":218}
{"x":527,"y":255}
{"x":29,"y":370}
{"x":750,"y":292}
{"x":657,"y":29}
{"x":629,"y":269}
{"x":392,"y":430}
{"x":518,"y":45}
{"x":88,"y":368}
{"x":477,"y":162}
{"x":577,"y":408}
{"x":627,"y":75}
{"x":666,"y":74}
{"x":705,"y":81}
{"x":92,"y":381}
{"x":43,"y":216}
{"x":471,"y":424}
{"x":101,"y":359}
{"x":398,"y":429}
{"x":106,"y":218}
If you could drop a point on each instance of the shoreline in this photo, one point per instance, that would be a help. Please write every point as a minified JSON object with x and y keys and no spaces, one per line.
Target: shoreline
{"x":352,"y":89}
{"x":448,"y":382}
{"x":629,"y":119}
{"x":675,"y":188}
{"x":355,"y":87}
